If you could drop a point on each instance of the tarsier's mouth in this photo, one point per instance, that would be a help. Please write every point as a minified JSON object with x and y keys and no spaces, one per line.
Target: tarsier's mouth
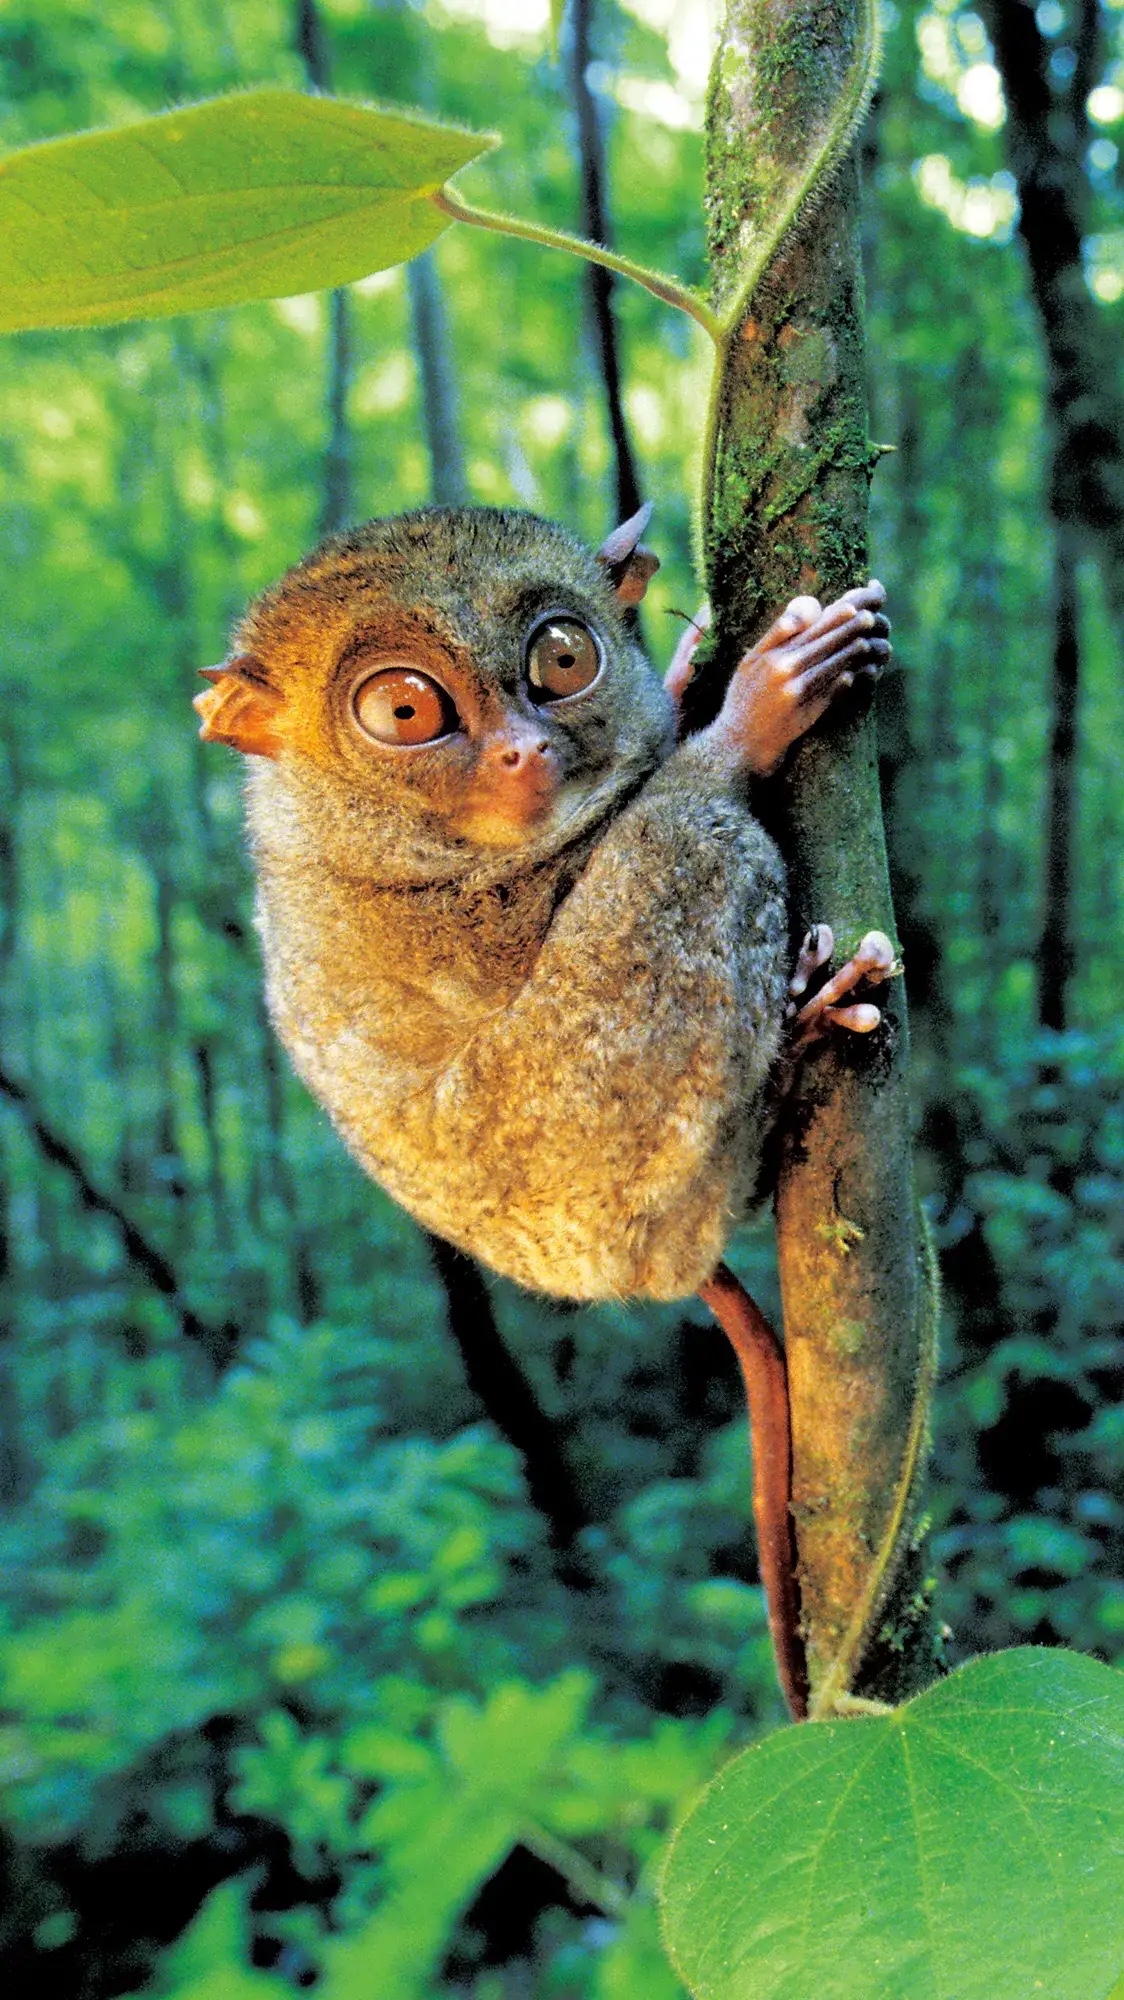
{"x":526,"y":815}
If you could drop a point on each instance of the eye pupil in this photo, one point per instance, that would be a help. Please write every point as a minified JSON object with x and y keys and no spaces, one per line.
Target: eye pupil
{"x":401,"y":706}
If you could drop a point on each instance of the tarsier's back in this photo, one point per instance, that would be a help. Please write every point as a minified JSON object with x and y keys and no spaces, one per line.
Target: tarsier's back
{"x":528,"y":952}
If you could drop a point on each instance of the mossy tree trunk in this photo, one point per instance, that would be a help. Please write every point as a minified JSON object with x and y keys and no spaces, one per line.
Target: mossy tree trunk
{"x":785,"y":512}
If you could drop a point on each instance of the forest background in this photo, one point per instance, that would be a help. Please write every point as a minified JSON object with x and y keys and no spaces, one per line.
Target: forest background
{"x":362,"y":1623}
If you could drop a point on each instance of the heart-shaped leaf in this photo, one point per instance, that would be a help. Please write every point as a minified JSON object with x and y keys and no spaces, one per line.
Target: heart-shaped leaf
{"x":969,"y":1846}
{"x":246,"y":197}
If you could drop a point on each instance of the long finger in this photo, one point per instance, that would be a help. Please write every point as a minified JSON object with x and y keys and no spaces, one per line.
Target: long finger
{"x":799,"y":616}
{"x":870,"y":594}
{"x":844,"y":612}
{"x":828,"y":640}
{"x":818,"y":682}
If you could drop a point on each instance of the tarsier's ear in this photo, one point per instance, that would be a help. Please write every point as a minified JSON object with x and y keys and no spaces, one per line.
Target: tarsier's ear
{"x":241,"y":708}
{"x":629,"y":566}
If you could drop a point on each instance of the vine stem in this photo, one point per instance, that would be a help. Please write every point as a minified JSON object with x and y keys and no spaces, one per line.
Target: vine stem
{"x":803,"y":193}
{"x":587,"y":1882}
{"x":668,"y":289}
{"x":833,"y":1693}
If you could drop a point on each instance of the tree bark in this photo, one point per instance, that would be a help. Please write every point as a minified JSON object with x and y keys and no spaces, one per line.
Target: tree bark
{"x":787,"y":513}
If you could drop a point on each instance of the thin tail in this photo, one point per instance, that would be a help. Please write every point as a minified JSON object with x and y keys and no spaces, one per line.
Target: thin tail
{"x":761,"y":1359}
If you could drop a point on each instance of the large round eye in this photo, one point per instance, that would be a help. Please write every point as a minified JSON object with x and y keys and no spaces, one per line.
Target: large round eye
{"x":563,"y":657}
{"x":399,"y":705}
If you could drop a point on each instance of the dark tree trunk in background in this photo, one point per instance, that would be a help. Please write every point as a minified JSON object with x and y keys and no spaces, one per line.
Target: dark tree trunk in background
{"x":1055,"y":955}
{"x":508,"y":1399}
{"x":448,"y":479}
{"x":1047,"y":134}
{"x":595,"y":225}
{"x":149,"y":1263}
{"x":438,"y":405}
{"x":337,"y":502}
{"x":166,"y":1165}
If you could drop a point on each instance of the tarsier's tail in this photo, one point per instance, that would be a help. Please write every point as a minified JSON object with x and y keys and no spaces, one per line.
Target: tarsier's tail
{"x":761,"y":1360}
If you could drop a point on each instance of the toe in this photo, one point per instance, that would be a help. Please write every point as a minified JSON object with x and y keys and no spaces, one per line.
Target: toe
{"x":876,"y":952}
{"x":862,"y":1019}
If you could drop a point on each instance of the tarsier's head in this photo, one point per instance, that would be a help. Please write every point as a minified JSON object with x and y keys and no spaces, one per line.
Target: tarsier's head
{"x":435,"y":691}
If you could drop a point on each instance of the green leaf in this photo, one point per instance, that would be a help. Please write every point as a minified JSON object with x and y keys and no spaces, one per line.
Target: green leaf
{"x":446,"y":1826}
{"x":248,"y":197}
{"x":210,"y":1961}
{"x":557,"y":16}
{"x":968,"y":1846}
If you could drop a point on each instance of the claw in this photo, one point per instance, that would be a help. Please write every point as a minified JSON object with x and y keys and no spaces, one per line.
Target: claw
{"x":814,"y":952}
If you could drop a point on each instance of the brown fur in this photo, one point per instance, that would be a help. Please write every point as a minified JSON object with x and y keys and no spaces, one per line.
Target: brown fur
{"x":551,"y":1048}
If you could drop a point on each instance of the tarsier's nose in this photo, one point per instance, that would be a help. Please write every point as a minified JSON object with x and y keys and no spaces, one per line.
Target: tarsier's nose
{"x":516,"y":783}
{"x":519,"y":754}
{"x":515,"y":755}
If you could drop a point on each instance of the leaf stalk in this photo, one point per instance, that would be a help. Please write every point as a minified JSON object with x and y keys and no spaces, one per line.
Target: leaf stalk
{"x":669,"y":290}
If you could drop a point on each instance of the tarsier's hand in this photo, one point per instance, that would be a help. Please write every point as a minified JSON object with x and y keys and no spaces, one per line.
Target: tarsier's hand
{"x":784,"y":683}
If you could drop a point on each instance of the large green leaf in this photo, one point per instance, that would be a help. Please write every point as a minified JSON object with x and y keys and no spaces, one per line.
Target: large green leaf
{"x":245,"y":197}
{"x":970,"y":1846}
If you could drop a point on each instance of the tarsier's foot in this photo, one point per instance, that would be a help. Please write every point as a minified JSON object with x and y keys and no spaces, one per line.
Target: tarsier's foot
{"x":785,"y":683}
{"x":874,"y":960}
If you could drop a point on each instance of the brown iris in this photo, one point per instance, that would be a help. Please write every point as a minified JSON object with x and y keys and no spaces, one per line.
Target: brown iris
{"x":402,"y":706}
{"x":563,"y":658}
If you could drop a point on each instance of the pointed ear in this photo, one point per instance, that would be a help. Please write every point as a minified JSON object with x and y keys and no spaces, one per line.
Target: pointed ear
{"x":241,"y":708}
{"x":628,"y":566}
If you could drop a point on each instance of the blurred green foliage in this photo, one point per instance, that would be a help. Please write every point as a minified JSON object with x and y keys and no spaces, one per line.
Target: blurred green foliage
{"x":293,"y":1683}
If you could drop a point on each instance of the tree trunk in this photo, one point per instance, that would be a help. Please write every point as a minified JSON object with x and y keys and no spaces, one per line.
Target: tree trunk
{"x":599,"y":282}
{"x":336,"y":506}
{"x":1055,"y":954}
{"x":448,"y":479}
{"x":1047,"y":133}
{"x":149,"y":1263}
{"x":787,"y":513}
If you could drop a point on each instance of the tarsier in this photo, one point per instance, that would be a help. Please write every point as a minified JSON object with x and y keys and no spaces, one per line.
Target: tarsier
{"x":529,"y":949}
